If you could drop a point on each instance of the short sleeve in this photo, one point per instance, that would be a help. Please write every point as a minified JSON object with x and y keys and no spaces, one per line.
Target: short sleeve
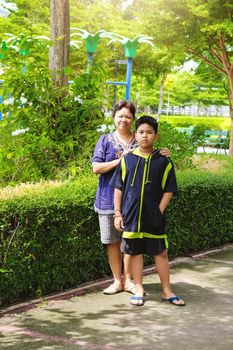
{"x":116,"y":180}
{"x":169,"y":180}
{"x":100,"y":150}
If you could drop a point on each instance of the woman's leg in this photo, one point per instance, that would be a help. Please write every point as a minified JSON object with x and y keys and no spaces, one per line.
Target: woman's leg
{"x":115,"y":262}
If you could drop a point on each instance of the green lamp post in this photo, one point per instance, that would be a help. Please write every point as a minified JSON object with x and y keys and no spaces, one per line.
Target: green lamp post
{"x":91,"y":41}
{"x":130,"y":50}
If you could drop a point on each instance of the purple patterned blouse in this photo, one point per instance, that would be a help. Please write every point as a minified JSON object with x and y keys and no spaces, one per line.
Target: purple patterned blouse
{"x":108,"y":148}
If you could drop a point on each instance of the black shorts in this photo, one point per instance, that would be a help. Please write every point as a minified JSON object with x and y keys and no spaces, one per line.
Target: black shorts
{"x":149,"y":246}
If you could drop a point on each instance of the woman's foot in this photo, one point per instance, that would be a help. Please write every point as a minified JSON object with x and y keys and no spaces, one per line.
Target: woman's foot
{"x":113,"y":289}
{"x":130,"y":287}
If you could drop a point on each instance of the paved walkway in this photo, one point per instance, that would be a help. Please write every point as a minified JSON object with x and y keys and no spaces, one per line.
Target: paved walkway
{"x":212,"y":150}
{"x":96,"y":321}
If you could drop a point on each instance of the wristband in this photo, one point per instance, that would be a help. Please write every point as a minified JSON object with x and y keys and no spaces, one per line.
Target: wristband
{"x":117,"y":216}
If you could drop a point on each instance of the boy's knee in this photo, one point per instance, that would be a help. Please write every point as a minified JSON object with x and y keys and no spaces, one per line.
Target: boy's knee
{"x":164,"y":254}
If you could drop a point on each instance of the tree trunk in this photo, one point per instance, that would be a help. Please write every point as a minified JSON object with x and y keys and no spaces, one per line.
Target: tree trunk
{"x":60,"y":36}
{"x":231,"y":131}
{"x":161,"y":93}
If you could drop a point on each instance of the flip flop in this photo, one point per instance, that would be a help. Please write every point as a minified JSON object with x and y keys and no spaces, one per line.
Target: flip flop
{"x":137,"y":301}
{"x":171,"y":300}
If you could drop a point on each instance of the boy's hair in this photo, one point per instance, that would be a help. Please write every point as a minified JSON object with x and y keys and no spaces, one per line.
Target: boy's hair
{"x":147,"y":119}
{"x":125,"y":104}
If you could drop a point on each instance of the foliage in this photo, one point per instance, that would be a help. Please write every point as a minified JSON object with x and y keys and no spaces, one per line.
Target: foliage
{"x":31,"y":16}
{"x":61,"y":248}
{"x":202,"y":29}
{"x":46,"y":132}
{"x":6,"y":8}
{"x":182,"y":146}
{"x":151,"y":64}
{"x":215,"y":123}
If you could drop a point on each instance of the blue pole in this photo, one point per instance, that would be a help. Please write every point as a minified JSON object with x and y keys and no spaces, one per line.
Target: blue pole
{"x":128,"y":78}
{"x":89,"y":61}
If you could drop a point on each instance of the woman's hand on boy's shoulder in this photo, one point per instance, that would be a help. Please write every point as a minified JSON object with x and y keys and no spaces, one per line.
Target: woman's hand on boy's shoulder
{"x":126,"y":152}
{"x":165,"y":152}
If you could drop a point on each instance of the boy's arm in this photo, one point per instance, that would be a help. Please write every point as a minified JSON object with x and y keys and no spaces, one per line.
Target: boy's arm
{"x":167,"y":196}
{"x":118,"y":219}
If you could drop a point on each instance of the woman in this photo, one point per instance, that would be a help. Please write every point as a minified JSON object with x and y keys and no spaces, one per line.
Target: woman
{"x":107,"y":155}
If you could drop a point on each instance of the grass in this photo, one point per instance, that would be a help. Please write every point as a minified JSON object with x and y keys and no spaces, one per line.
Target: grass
{"x":216,"y":123}
{"x":206,"y":167}
{"x":214,"y":163}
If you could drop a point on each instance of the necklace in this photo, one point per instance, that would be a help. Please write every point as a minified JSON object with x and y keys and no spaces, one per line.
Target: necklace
{"x":125,"y":143}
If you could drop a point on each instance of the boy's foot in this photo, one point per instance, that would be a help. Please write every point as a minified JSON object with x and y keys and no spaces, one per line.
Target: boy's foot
{"x":112,"y":289}
{"x":174,"y":300}
{"x":137,"y":301}
{"x":130,"y":287}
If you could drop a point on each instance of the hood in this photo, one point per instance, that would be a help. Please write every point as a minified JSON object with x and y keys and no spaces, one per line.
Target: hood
{"x":147,"y":160}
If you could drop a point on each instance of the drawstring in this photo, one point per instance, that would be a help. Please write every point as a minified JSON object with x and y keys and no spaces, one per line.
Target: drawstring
{"x":135,"y":172}
{"x":148,"y":170}
{"x":148,"y":167}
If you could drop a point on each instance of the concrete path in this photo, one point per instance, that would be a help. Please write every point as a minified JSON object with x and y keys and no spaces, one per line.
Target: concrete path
{"x":212,"y":150}
{"x":96,"y":321}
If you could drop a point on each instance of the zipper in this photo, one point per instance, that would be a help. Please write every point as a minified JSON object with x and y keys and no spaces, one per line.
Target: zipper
{"x":142,"y":194}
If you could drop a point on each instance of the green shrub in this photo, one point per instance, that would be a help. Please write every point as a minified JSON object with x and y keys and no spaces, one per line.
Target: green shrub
{"x":182,"y":146}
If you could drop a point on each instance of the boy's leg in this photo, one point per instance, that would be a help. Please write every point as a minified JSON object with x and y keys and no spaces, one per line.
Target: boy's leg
{"x":162,"y":265}
{"x":129,"y":285}
{"x":137,"y":272}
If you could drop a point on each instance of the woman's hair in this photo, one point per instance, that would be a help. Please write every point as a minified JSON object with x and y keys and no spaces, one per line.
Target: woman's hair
{"x":125,"y":104}
{"x":147,"y":119}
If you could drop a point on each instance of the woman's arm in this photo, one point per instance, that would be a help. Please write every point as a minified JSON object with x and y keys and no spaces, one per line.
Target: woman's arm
{"x":104,"y":167}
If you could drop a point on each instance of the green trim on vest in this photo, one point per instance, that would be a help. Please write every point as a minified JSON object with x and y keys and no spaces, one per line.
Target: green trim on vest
{"x":165,"y":175}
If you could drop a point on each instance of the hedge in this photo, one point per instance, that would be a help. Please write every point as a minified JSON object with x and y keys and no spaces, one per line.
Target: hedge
{"x":50,"y":235}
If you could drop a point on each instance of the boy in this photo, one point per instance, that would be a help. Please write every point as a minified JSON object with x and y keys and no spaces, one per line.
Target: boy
{"x":144,"y":184}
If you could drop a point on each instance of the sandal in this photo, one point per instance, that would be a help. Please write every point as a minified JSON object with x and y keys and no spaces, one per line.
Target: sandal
{"x":172,"y":299}
{"x":112,"y":289}
{"x":130,"y":288}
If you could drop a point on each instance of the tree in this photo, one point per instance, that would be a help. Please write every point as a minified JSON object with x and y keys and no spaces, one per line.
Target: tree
{"x":60,"y":35}
{"x":31,"y":17}
{"x":203,"y":29}
{"x":6,"y":8}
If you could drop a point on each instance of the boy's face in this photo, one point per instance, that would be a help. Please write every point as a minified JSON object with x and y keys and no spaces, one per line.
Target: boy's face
{"x":145,"y":136}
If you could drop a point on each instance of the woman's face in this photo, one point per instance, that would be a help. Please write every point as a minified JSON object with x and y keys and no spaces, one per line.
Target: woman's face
{"x":123,"y":119}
